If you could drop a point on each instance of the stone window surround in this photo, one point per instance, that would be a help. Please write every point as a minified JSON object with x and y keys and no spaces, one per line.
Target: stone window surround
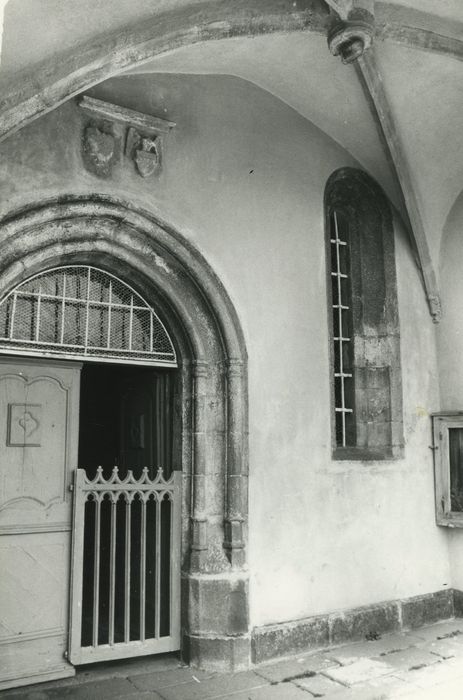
{"x":375,"y":320}
{"x":172,"y":275}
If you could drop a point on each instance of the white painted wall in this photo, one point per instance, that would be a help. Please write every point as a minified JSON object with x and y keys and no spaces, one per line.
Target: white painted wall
{"x":243,"y":179}
{"x":450,"y":346}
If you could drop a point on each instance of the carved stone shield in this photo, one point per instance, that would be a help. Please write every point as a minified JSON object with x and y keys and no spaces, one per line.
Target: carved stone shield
{"x":147,"y":158}
{"x":98,"y":151}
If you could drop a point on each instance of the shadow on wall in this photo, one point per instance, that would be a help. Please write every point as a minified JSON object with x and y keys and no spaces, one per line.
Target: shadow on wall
{"x":449,"y":332}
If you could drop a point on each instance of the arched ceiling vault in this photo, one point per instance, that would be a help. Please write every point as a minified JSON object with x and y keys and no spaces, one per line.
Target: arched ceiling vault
{"x":70,"y":59}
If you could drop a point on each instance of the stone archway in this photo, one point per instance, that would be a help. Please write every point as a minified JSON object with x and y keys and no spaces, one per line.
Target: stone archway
{"x":166,"y":268}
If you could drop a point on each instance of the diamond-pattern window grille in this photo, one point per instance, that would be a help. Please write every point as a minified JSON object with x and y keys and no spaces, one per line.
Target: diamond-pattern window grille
{"x":83,"y":312}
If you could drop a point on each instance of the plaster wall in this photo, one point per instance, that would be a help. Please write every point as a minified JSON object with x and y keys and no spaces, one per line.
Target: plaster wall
{"x":426,"y":108}
{"x":34,"y":31}
{"x":450,"y":347}
{"x":243,"y":179}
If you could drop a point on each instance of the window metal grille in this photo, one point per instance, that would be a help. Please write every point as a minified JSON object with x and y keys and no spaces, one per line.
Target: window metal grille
{"x":86,"y":313}
{"x":342,"y":331}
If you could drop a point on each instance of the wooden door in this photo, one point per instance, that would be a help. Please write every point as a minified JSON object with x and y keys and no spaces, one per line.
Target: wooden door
{"x":146,"y":421}
{"x":38,"y":450}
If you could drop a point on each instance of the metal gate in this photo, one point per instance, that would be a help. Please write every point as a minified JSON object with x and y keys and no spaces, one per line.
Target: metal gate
{"x":125,"y":581}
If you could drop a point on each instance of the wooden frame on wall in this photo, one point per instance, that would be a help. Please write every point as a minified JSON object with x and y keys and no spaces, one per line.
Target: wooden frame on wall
{"x":449,"y":506}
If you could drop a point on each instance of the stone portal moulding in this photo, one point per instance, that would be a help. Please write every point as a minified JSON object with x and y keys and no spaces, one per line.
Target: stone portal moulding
{"x":114,"y":134}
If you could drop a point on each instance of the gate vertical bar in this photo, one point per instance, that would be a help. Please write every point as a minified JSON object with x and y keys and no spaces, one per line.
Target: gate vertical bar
{"x":142,"y":568}
{"x":112,"y":570}
{"x":128,"y":528}
{"x":157,"y":580}
{"x":96,"y":570}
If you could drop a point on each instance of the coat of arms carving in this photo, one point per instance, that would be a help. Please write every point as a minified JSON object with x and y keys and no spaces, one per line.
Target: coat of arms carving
{"x":146,"y":152}
{"x":99,"y":151}
{"x":111,"y":126}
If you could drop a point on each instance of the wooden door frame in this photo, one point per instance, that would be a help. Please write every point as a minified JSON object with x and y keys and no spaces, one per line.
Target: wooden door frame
{"x":181,"y":286}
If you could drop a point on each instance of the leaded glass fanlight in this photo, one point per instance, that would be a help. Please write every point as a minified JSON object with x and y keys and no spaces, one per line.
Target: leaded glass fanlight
{"x":86,"y":313}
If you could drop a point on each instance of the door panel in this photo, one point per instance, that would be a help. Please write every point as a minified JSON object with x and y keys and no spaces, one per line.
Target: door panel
{"x":38,"y":447}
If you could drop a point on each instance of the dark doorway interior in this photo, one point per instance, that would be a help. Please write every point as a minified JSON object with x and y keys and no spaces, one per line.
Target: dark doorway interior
{"x":126,"y":420}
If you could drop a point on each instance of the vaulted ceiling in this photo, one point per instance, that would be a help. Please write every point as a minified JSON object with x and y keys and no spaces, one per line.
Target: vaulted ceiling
{"x":399,"y":110}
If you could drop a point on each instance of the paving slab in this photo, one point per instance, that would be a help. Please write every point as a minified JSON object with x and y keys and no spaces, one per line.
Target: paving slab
{"x":282,"y":670}
{"x":382,"y":689}
{"x":410,"y":659}
{"x":164,"y":679}
{"x":392,"y":642}
{"x":441,"y":630}
{"x":319,"y":686}
{"x":216,"y":687}
{"x":359,"y":671}
{"x":282,"y":691}
{"x":445,"y":649}
{"x":148,"y":695}
{"x":432,"y":676}
{"x":101,"y":690}
{"x":450,"y":690}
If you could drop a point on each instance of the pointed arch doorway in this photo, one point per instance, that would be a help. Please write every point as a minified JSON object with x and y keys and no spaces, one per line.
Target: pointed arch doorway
{"x":209,"y":397}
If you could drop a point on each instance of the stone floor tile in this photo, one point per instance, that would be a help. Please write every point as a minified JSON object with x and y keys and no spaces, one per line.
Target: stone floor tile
{"x":392,"y":642}
{"x":434,"y":675}
{"x":216,"y":687}
{"x":145,"y":695}
{"x":359,"y":671}
{"x":440,"y":629}
{"x":381,"y":689}
{"x":449,"y":690}
{"x":164,"y":679}
{"x":276,"y":672}
{"x":281,"y":691}
{"x":100,"y":690}
{"x":410,"y":659}
{"x":445,"y":648}
{"x":319,"y":685}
